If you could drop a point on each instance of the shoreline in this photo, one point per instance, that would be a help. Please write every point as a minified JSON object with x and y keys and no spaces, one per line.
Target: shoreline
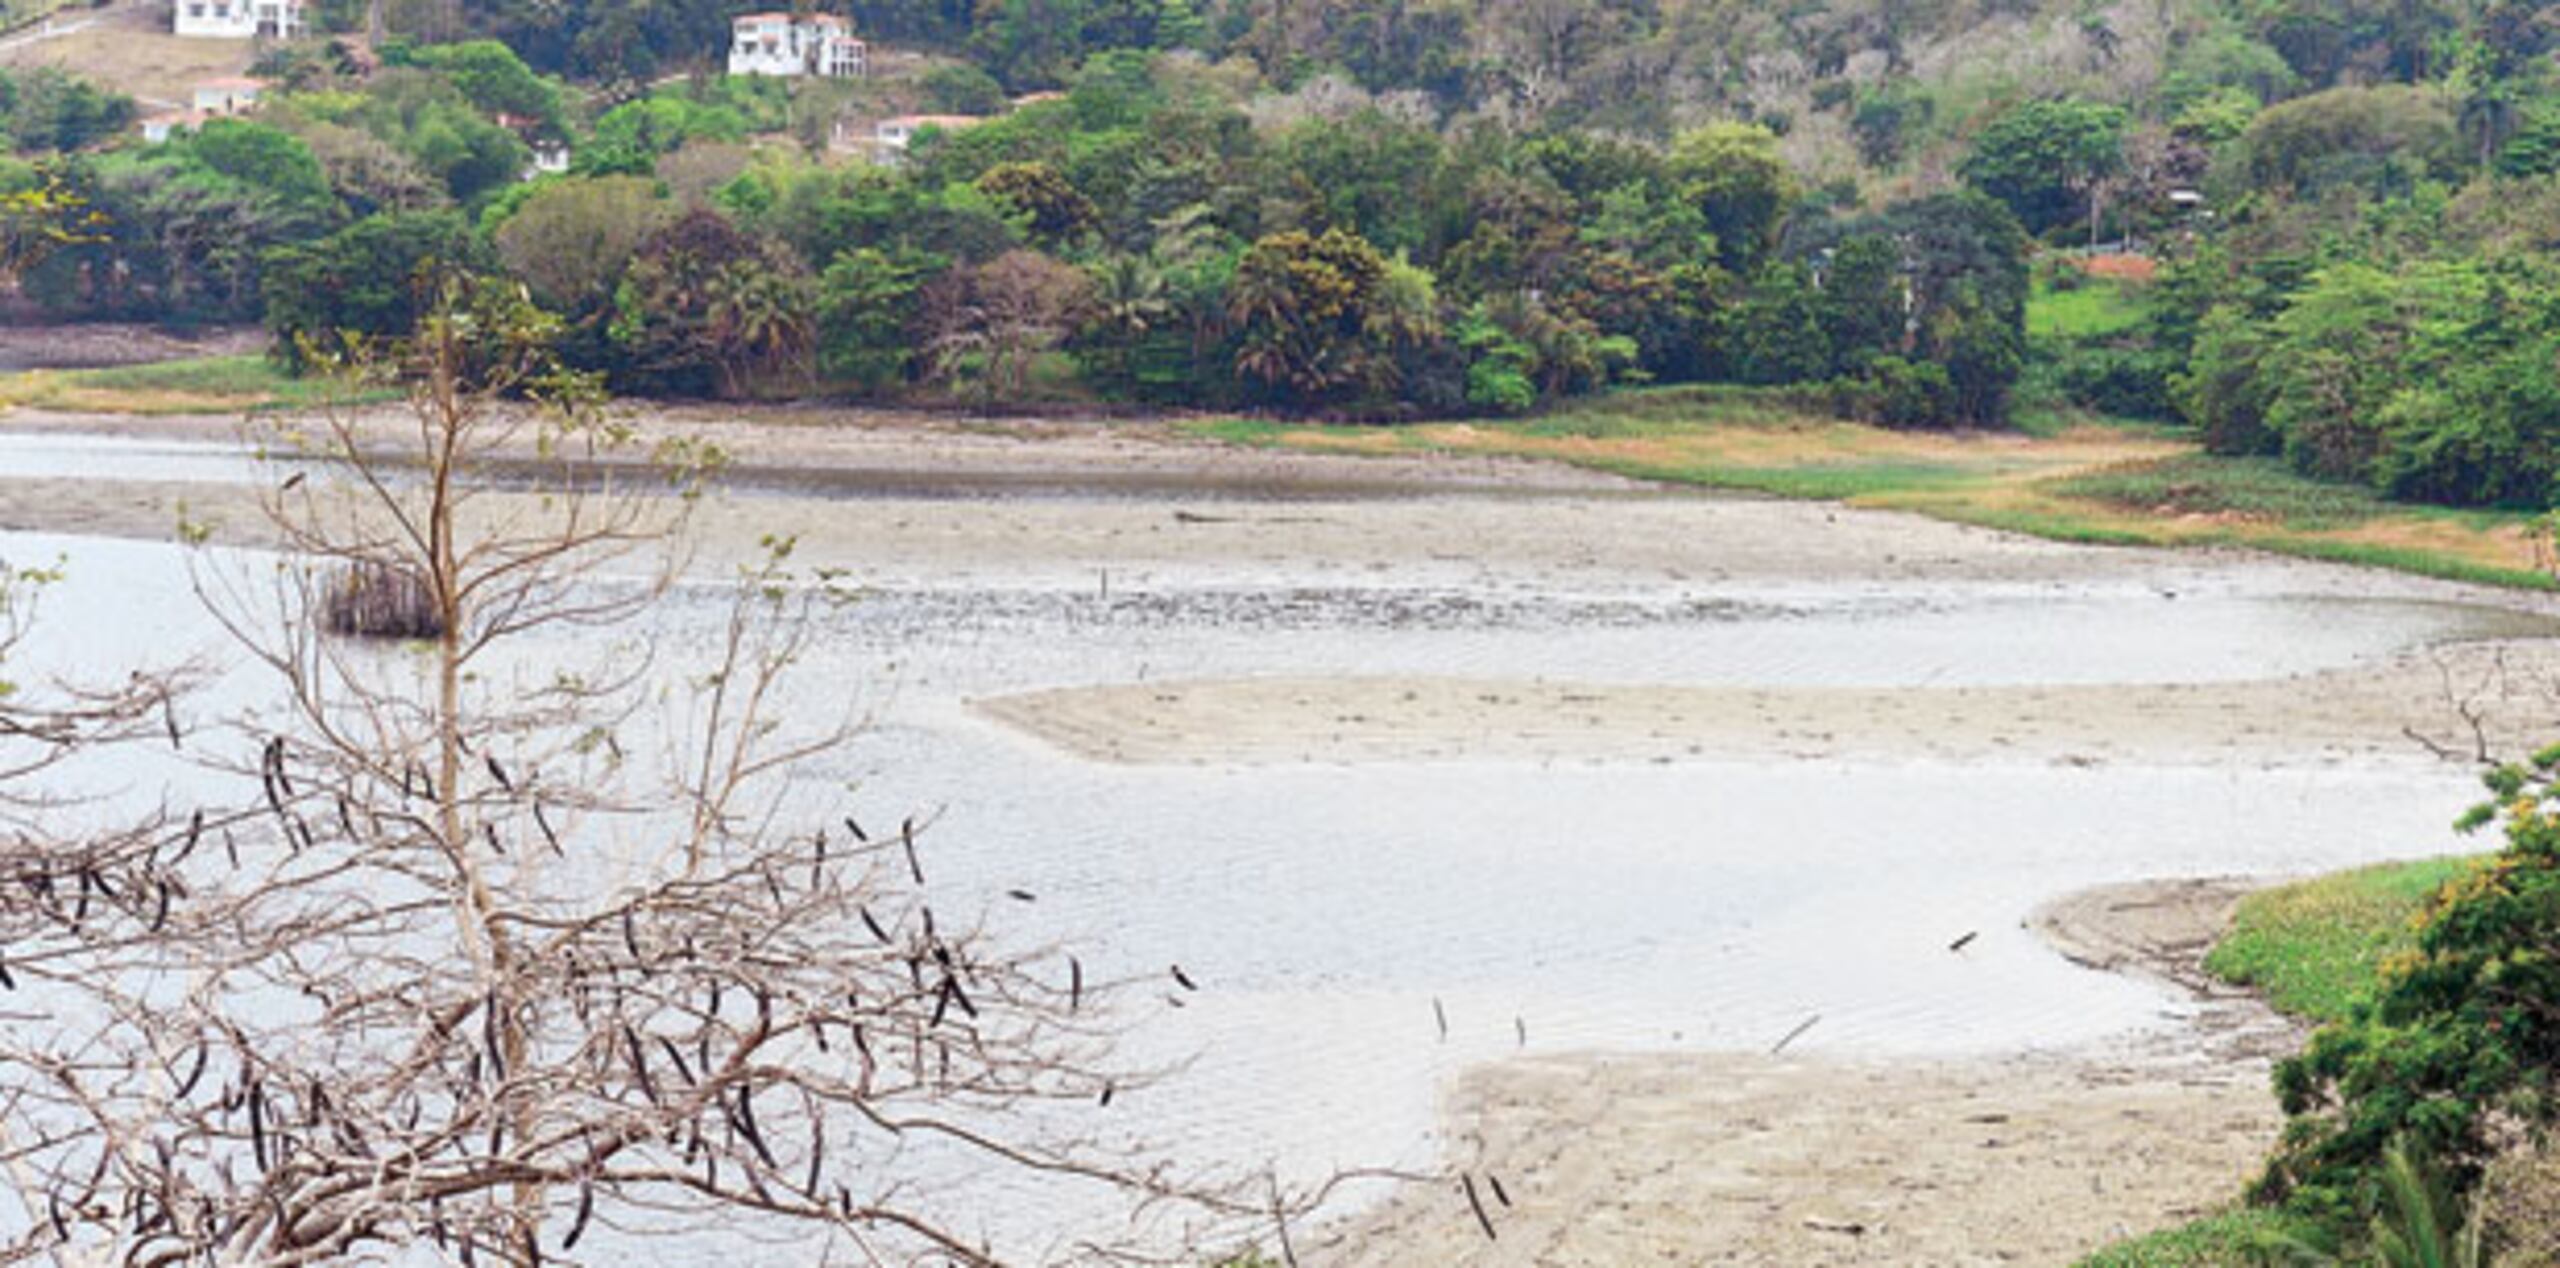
{"x":2037,"y":1157}
{"x":1646,"y":1156}
{"x":2398,"y":708}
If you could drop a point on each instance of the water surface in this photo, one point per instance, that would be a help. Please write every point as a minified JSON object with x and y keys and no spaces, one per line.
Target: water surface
{"x":1336,"y":916}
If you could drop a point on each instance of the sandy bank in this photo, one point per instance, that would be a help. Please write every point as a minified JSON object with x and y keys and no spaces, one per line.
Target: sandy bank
{"x":2410,"y":705}
{"x":1741,"y":1159}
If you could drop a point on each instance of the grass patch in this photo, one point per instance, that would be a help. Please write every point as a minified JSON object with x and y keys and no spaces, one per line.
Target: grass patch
{"x":2232,"y":1238}
{"x":2094,"y":309}
{"x":2051,"y":416}
{"x":199,"y":385}
{"x":1253,"y":433}
{"x":2315,"y":948}
{"x":1647,"y":412}
{"x":2097,"y":485}
{"x":2247,"y":488}
{"x":2409,"y":559}
{"x":1826,"y":482}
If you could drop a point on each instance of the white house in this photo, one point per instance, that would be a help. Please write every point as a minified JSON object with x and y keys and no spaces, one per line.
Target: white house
{"x":212,"y":99}
{"x":242,"y":19}
{"x":782,"y":44}
{"x":898,"y":131}
{"x":160,"y":127}
{"x":550,"y":158}
{"x":226,"y":96}
{"x":890,"y":137}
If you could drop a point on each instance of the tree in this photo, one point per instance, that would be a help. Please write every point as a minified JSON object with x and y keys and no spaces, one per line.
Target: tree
{"x":466,"y":970}
{"x":1301,"y":305}
{"x":43,"y":108}
{"x":1127,"y":308}
{"x":2043,"y":158}
{"x":987,"y":323}
{"x":267,"y":159}
{"x":1732,"y":173}
{"x":961,"y":88}
{"x":2376,"y":139}
{"x":2347,"y":344}
{"x":570,"y":241}
{"x":870,"y":314}
{"x":2220,"y":393}
{"x":1884,"y":121}
{"x":1777,"y":334}
{"x":493,"y":78}
{"x":2459,"y":1035}
{"x":705,"y":309}
{"x":369,"y":174}
{"x":40,"y":219}
{"x":1054,"y":209}
{"x":176,"y":241}
{"x":361,"y":280}
{"x":1862,"y":301}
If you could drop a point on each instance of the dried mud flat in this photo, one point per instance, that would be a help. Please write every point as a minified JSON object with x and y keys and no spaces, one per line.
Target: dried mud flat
{"x":1743,"y":1159}
{"x":1611,"y":1159}
{"x":2402,"y":707}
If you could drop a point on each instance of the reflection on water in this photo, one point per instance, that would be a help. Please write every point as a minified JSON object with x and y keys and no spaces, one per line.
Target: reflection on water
{"x":1325,"y":910}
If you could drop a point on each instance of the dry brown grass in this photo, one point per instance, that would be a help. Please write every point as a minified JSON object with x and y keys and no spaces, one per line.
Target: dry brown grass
{"x":130,"y":49}
{"x":2000,"y":480}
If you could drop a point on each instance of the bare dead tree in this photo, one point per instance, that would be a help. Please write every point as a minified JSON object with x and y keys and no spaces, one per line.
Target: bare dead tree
{"x":74,"y":885}
{"x":472,"y":977}
{"x":2474,"y":706}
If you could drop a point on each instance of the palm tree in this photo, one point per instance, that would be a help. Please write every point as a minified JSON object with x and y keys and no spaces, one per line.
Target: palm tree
{"x":2427,"y":1227}
{"x":760,"y":322}
{"x":1127,"y":300}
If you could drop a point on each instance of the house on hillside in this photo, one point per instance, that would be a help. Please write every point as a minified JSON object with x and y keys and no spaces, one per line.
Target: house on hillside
{"x":893,"y":135}
{"x":212,"y":99}
{"x":550,"y":158}
{"x":242,"y":19}
{"x":784,"y":44}
{"x":168,"y":123}
{"x":227,"y":96}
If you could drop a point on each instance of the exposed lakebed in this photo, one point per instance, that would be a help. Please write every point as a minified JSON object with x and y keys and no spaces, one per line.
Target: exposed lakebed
{"x":1363,"y":927}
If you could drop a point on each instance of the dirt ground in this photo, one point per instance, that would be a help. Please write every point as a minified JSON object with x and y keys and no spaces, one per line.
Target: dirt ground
{"x":129,"y":48}
{"x":61,"y":347}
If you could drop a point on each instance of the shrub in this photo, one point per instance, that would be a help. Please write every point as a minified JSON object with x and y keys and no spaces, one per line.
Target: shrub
{"x":1913,"y":394}
{"x":2124,"y":382}
{"x":2462,"y":1035}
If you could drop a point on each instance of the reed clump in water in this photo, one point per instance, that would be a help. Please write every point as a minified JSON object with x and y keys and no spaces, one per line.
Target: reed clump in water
{"x":378,"y":600}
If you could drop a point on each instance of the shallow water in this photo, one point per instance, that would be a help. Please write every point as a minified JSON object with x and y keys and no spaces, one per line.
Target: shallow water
{"x":1334,"y":915}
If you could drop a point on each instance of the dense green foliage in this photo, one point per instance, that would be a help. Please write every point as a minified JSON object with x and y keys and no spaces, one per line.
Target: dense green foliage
{"x":2245,"y":1236}
{"x":2460,"y":1032}
{"x":1382,"y":209}
{"x":1145,"y":231}
{"x":44,"y":109}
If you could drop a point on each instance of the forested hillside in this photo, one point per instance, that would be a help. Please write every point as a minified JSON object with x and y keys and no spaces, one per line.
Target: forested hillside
{"x":2314,"y":229}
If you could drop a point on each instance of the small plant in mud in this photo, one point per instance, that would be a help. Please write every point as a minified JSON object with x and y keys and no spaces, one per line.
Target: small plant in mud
{"x":370,"y":599}
{"x":2462,"y":1037}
